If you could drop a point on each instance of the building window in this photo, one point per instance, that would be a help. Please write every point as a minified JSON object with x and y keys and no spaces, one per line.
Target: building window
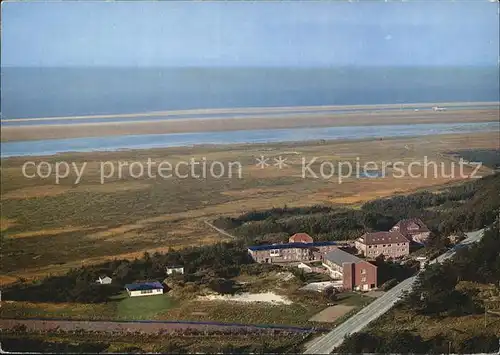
{"x":274,"y":252}
{"x":363,"y":279}
{"x":363,"y":271}
{"x":146,"y":291}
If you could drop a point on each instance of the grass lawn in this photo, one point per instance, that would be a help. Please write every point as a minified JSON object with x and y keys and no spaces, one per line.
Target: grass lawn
{"x":145,"y":307}
{"x":247,"y":313}
{"x":12,"y":309}
{"x":353,"y":299}
{"x":120,"y":307}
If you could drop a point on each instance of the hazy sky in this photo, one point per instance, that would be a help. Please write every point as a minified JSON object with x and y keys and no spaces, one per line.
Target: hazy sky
{"x":249,"y":34}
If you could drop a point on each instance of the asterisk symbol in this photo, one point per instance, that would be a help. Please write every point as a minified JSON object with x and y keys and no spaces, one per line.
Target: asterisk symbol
{"x":262,"y":162}
{"x":280,"y":162}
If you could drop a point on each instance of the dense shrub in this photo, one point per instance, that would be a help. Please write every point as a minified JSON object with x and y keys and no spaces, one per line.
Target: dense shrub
{"x":460,"y":208}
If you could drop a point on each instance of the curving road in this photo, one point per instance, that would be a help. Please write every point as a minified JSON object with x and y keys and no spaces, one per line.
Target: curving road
{"x":328,"y":342}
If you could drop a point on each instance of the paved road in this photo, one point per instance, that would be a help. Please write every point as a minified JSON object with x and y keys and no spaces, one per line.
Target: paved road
{"x":327,"y":343}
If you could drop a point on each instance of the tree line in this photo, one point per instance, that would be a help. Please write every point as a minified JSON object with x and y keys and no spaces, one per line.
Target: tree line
{"x":205,"y":265}
{"x":465,"y":207}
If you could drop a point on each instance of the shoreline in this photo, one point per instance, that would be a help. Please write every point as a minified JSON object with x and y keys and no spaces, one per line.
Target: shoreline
{"x":264,"y":146}
{"x":183,"y":125}
{"x":270,"y":109}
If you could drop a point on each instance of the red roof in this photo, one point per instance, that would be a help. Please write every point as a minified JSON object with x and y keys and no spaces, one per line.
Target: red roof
{"x":301,"y":238}
{"x":384,"y":238}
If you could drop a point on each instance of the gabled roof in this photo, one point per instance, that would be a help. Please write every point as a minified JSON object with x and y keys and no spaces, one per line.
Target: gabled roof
{"x":301,"y":238}
{"x":139,"y":286}
{"x":338,"y":256}
{"x":383,"y":238}
{"x":403,"y":226}
{"x":290,"y":246}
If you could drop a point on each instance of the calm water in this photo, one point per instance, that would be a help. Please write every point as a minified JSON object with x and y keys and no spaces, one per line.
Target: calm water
{"x":45,"y":92}
{"x":49,"y":147}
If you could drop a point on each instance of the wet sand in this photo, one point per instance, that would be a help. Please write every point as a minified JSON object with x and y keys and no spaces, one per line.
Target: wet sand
{"x":258,"y":121}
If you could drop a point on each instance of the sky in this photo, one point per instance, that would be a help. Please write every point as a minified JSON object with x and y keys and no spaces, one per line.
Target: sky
{"x":306,"y":33}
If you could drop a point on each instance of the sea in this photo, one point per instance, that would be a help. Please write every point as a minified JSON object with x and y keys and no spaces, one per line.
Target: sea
{"x":47,"y":92}
{"x":53,"y":92}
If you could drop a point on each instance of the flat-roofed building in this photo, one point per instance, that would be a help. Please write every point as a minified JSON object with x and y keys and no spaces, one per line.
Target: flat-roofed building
{"x":355,"y":273}
{"x":290,"y":252}
{"x":144,"y":288}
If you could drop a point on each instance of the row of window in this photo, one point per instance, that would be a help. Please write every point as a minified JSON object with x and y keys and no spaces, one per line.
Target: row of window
{"x":388,"y":251}
{"x":385,"y":245}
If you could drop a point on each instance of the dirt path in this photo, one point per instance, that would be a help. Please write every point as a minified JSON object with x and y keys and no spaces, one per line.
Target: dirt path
{"x":221,"y":231}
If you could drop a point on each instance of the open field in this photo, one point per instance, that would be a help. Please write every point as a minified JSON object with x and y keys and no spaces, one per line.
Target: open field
{"x":295,"y":120}
{"x":169,"y":309}
{"x":48,"y":228}
{"x":189,"y":342}
{"x":331,"y":314}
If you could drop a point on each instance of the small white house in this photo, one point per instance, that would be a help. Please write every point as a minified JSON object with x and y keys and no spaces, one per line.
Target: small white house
{"x":175,"y":269}
{"x":104,"y":280}
{"x":144,"y":289}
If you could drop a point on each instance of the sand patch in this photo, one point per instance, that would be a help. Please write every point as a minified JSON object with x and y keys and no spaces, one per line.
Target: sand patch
{"x":367,"y":196}
{"x":321,"y":286}
{"x":35,"y":191}
{"x":254,"y":191}
{"x":48,"y":232}
{"x":116,"y":232}
{"x":266,"y":297}
{"x":54,"y":190}
{"x":6,"y":223}
{"x":113,"y":187}
{"x":331,"y":314}
{"x":293,"y":119}
{"x":7,"y":280}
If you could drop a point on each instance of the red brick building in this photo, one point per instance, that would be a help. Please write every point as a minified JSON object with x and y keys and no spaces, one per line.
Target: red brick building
{"x":355,"y":273}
